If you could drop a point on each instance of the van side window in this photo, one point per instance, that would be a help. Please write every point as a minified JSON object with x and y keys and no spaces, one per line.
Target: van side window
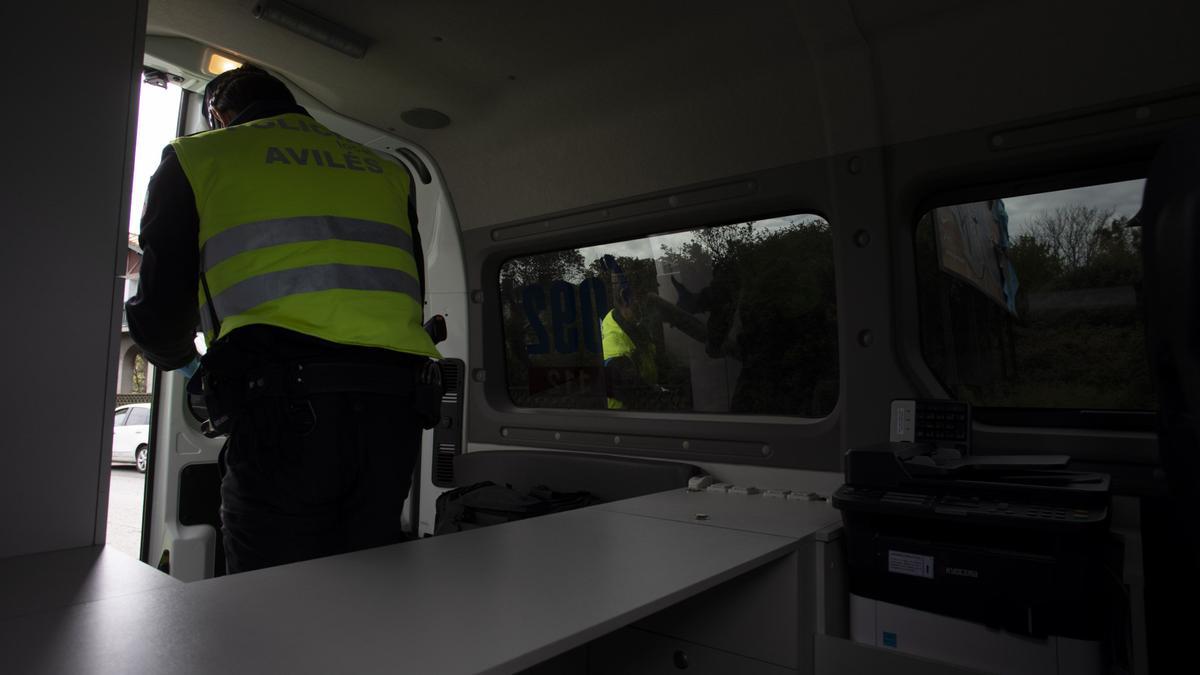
{"x":736,"y":318}
{"x":1035,"y":301}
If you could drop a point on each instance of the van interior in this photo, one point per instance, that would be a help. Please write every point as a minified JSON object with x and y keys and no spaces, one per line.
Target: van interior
{"x":909,"y":288}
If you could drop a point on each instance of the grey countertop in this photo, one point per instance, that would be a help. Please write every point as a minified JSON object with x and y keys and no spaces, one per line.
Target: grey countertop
{"x":748,"y":513}
{"x":60,"y":579}
{"x":492,"y":600}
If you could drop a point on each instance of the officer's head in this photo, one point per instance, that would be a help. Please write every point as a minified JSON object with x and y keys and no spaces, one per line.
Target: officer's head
{"x":231,"y":92}
{"x":631,"y":284}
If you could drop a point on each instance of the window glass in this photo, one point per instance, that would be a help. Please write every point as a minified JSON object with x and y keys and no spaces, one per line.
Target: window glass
{"x":1035,"y":301}
{"x":139,"y":416}
{"x":730,"y":319}
{"x":120,"y":416}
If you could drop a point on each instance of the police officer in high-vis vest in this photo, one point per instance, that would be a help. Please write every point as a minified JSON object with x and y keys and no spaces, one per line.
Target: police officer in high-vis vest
{"x":630,"y":355}
{"x":630,"y":367}
{"x":297,"y":252}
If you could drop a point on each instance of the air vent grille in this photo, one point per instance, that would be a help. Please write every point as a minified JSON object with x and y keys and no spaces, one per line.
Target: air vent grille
{"x":447,"y":436}
{"x":452,"y":375}
{"x":443,"y":465}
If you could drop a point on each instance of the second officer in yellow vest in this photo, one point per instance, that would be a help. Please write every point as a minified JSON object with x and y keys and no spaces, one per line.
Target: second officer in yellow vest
{"x":630,"y":354}
{"x":297,"y":252}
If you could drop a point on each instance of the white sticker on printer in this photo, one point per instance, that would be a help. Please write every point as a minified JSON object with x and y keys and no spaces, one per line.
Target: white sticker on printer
{"x":911,"y":564}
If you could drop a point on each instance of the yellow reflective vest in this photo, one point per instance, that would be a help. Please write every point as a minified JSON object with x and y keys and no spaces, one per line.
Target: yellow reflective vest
{"x":306,"y":230}
{"x":616,"y":343}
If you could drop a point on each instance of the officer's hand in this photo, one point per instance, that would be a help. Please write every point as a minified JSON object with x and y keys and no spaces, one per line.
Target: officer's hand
{"x":687,"y":301}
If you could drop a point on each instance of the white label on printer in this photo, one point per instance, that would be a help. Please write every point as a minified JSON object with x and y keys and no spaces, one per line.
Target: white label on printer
{"x":911,"y":564}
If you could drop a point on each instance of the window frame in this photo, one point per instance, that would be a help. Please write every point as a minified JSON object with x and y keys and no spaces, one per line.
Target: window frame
{"x":784,"y":442}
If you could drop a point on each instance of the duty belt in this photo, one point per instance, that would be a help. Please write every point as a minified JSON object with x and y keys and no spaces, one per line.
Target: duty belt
{"x":300,"y":379}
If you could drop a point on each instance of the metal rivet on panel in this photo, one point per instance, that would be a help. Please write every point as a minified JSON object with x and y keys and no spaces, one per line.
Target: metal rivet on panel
{"x":865,"y":337}
{"x":862,"y":238}
{"x":479,"y":375}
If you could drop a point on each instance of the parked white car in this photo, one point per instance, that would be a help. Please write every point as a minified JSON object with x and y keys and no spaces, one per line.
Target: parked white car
{"x":131,"y":435}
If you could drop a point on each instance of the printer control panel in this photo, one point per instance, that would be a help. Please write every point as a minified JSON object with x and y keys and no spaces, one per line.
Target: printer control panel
{"x":941,"y":422}
{"x":973,"y":509}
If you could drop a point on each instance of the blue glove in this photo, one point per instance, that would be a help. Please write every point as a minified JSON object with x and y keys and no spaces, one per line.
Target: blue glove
{"x":190,"y":369}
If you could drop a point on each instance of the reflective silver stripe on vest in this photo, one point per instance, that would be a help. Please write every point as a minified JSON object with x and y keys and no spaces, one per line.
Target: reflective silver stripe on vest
{"x":250,"y":293}
{"x":264,"y":233}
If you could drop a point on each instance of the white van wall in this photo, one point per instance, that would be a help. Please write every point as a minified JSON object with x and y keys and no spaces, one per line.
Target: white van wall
{"x":70,"y":120}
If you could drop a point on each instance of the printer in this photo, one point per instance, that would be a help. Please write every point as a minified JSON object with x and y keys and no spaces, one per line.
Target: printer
{"x":994,"y":562}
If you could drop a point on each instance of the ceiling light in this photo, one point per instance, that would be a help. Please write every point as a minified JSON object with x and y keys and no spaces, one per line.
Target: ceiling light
{"x":218,"y":64}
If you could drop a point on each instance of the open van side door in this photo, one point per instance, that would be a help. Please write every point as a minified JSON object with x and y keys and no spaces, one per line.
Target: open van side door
{"x":180,"y":530}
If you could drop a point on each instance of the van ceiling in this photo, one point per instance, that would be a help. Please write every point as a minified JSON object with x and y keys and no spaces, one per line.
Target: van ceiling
{"x":555,"y":105}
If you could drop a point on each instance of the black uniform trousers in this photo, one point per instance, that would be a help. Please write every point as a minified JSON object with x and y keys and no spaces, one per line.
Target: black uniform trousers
{"x":316,"y":475}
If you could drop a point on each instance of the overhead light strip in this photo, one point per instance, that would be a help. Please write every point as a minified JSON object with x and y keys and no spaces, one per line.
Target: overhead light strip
{"x":316,"y":28}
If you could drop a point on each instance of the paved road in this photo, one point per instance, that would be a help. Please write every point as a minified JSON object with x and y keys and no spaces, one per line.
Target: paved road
{"x":125,"y":510}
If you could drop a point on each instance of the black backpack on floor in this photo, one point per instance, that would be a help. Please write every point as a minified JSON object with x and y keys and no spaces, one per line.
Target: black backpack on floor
{"x":486,"y":503}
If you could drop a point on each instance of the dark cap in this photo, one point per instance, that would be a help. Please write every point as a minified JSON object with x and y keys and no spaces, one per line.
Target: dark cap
{"x":238,"y":88}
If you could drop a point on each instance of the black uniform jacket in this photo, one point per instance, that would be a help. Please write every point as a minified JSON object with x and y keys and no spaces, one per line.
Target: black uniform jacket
{"x":163,"y":317}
